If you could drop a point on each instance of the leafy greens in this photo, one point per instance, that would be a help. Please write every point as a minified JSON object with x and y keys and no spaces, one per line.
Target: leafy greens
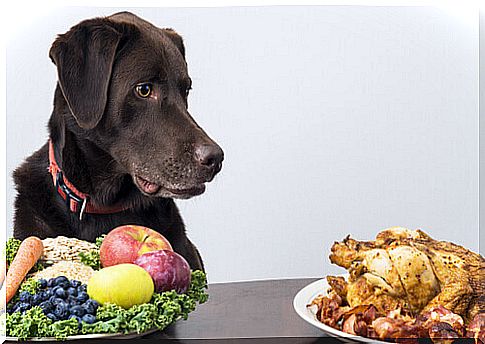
{"x":92,"y":258}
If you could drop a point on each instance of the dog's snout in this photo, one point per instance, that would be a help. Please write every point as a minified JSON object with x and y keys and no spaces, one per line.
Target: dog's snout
{"x":209,"y":156}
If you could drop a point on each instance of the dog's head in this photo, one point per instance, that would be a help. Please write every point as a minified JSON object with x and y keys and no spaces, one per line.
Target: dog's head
{"x":126,"y":84}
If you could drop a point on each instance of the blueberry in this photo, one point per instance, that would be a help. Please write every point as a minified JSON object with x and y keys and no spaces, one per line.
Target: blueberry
{"x":52,"y":317}
{"x":46,"y":306}
{"x":63,"y":284}
{"x":42,"y":283}
{"x":51,"y":282}
{"x":89,"y":318}
{"x":59,"y":292}
{"x":89,"y":307}
{"x":36,"y":299}
{"x":61,"y":311}
{"x":75,"y":283}
{"x":74,"y":316}
{"x":94,"y":303}
{"x":61,"y":280}
{"x":72,"y":291}
{"x":42,"y":295}
{"x":15,"y":308}
{"x":78,"y":310}
{"x":73,"y":301}
{"x":57,"y":300}
{"x":25,"y":296}
{"x":82,"y":287}
{"x":82,"y":296}
{"x":48,"y":293}
{"x":23,"y":306}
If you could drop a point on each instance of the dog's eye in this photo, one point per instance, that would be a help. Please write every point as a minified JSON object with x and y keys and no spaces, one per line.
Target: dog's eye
{"x":144,"y":90}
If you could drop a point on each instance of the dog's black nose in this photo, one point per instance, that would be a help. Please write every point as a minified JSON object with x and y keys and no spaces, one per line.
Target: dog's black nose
{"x":209,"y":156}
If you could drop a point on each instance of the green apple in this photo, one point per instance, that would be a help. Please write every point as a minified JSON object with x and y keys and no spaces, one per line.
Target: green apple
{"x":125,"y":285}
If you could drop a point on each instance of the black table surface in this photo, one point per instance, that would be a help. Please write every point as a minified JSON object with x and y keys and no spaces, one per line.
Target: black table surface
{"x":255,"y":310}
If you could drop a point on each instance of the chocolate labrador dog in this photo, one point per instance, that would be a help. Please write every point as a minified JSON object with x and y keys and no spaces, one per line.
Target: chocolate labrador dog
{"x":122,"y":144}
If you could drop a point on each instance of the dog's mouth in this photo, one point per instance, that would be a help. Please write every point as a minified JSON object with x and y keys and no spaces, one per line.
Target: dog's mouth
{"x":193,"y":191}
{"x":153,"y":189}
{"x":146,"y":186}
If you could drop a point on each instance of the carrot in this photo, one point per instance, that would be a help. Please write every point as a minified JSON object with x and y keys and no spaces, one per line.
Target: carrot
{"x":29,"y":252}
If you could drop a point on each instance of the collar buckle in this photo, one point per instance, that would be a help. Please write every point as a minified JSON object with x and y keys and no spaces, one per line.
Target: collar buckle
{"x":79,"y":204}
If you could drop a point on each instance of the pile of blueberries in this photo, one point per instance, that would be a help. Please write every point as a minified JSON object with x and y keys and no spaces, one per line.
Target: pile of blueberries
{"x":60,"y":299}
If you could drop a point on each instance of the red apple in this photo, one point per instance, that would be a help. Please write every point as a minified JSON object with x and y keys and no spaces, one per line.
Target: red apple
{"x":126,"y":243}
{"x":169,"y":270}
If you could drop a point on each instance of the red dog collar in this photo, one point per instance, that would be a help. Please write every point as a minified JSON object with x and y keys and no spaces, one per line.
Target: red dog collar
{"x":76,"y":201}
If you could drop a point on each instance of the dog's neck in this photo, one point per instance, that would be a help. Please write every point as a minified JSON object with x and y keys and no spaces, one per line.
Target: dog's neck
{"x":91,"y":170}
{"x":88,"y":169}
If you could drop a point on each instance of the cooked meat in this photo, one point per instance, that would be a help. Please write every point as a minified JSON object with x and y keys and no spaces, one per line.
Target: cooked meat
{"x":416,"y":275}
{"x":442,"y":333}
{"x":358,"y":320}
{"x":363,"y":292}
{"x":476,"y":328}
{"x":338,"y":285}
{"x":355,"y":325}
{"x":389,"y":328}
{"x":329,"y":310}
{"x":439,"y":320}
{"x":408,"y":268}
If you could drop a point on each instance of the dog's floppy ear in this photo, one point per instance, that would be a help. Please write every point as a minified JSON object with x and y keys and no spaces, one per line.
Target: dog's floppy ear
{"x":176,"y":39}
{"x":84,"y":58}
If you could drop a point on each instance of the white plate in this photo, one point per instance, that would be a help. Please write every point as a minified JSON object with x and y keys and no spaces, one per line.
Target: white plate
{"x":132,"y":335}
{"x":305,"y":296}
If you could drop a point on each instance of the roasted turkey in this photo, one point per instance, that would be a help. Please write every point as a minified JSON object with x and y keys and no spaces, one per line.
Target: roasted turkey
{"x":408,"y":269}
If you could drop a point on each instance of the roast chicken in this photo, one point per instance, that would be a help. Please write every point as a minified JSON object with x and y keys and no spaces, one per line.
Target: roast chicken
{"x":409,"y":270}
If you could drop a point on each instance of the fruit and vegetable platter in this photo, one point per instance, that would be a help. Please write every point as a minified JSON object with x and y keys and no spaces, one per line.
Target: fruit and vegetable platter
{"x":129,"y":283}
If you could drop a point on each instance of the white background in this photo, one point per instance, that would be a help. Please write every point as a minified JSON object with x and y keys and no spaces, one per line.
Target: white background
{"x":334,"y":120}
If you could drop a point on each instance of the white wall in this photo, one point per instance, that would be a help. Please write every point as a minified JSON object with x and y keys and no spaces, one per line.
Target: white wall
{"x":334,"y":120}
